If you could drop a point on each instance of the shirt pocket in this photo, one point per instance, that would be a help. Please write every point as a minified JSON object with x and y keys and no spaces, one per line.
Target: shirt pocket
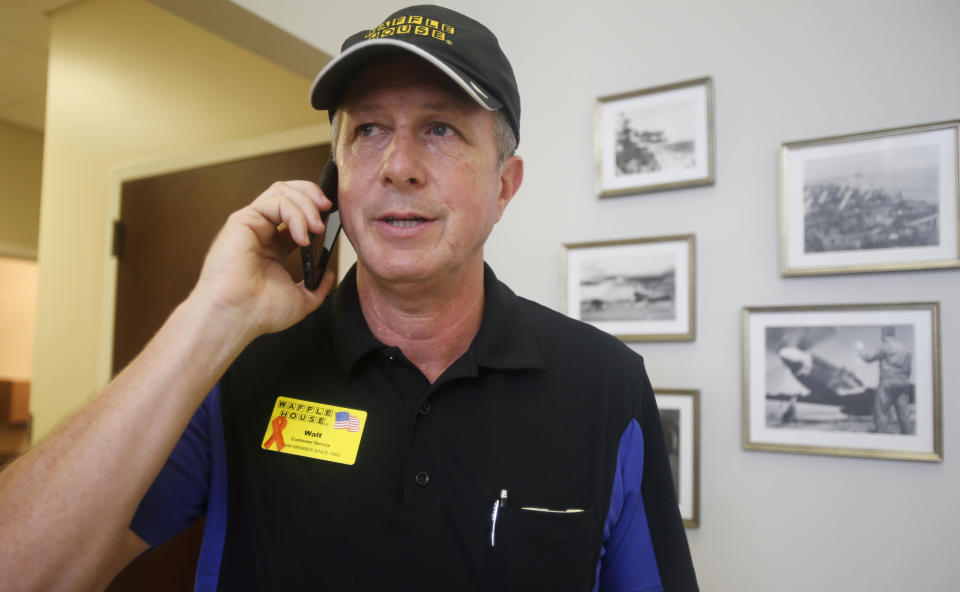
{"x":543,"y":550}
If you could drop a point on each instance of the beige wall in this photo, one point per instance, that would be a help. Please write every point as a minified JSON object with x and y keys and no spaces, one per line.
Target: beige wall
{"x":127,"y":82}
{"x":18,"y":298}
{"x":21,"y":153}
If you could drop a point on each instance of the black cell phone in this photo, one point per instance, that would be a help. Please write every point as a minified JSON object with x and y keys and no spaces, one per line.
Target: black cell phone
{"x":317,"y":255}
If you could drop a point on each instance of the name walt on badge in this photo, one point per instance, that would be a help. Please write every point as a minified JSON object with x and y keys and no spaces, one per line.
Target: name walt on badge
{"x":315,"y":430}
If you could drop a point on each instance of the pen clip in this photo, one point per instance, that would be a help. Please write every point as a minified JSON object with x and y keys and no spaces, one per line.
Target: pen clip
{"x":498,"y":503}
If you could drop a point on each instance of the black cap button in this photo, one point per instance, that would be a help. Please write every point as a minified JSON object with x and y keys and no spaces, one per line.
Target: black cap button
{"x":422,"y":478}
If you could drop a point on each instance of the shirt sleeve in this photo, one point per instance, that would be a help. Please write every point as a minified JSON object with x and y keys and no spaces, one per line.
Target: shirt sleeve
{"x":180,"y":493}
{"x":627,"y":559}
{"x":644,"y":547}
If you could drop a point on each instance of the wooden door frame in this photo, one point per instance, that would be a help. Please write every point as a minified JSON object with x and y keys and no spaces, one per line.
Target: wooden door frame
{"x":181,"y":161}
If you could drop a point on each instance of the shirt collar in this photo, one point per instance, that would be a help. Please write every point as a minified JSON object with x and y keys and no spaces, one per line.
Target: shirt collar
{"x":352,"y":338}
{"x":504,"y":340}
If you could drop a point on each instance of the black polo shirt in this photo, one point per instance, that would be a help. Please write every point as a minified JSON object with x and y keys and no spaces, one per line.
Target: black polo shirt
{"x":553,"y":412}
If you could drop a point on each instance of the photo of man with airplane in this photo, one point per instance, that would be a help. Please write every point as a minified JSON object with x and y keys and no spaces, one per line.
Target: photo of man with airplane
{"x":841,"y":378}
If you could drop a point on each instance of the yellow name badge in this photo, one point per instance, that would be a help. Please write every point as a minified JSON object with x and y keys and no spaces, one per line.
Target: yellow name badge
{"x":315,"y":430}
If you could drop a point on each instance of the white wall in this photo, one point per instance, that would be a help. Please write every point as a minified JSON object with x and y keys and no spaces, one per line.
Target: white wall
{"x":782,"y":71}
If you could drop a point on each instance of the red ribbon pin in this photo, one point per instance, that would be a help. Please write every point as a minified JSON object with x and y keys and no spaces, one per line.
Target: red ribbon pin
{"x":277,"y":436}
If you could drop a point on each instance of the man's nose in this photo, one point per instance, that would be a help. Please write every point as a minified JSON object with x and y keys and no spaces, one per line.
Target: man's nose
{"x":402,"y":160}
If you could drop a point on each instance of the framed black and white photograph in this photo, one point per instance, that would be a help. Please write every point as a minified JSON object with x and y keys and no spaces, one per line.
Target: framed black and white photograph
{"x":877,"y":201}
{"x":680,"y":416}
{"x":655,"y":138}
{"x":638,"y":289}
{"x":846,"y":380}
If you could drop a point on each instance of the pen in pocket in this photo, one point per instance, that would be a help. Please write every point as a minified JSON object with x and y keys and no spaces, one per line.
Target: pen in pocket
{"x":498,"y":503}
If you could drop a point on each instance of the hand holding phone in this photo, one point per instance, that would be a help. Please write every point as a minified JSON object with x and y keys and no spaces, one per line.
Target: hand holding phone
{"x":317,"y":255}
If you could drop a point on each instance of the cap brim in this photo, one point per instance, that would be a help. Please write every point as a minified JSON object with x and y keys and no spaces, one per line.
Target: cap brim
{"x":331,"y":82}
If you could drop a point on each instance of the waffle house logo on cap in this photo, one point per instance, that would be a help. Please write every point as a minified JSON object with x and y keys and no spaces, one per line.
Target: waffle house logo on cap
{"x":414,"y":25}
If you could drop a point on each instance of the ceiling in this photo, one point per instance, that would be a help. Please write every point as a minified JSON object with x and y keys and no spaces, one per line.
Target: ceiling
{"x":24,"y":38}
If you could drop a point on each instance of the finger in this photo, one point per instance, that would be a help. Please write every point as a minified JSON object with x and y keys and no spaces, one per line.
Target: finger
{"x":298,"y":221}
{"x":312,"y":299}
{"x":304,"y":193}
{"x":279,"y":208}
{"x":307,"y":197}
{"x":265,"y":220}
{"x":307,"y":194}
{"x":286,"y":244}
{"x":312,"y":191}
{"x":263,"y":228}
{"x":326,"y":284}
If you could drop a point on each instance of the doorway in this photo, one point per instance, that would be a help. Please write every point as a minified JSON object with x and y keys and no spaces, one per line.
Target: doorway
{"x":166,"y":225}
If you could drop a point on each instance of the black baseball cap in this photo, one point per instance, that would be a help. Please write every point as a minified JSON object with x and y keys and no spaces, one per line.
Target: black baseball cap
{"x":457,"y":45}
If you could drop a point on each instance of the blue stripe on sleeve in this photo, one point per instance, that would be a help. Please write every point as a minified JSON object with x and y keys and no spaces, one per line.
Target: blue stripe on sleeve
{"x":192,"y":482}
{"x":627,"y":561}
{"x":215,"y":527}
{"x":178,"y":495}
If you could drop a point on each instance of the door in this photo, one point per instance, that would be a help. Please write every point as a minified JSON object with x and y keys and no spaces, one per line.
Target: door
{"x":166,"y":225}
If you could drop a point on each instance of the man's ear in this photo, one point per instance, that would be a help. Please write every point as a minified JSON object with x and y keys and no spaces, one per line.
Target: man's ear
{"x":511,"y":176}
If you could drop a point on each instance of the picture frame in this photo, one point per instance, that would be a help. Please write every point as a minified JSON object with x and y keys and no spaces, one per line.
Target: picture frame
{"x":812,"y":379}
{"x":655,"y":139}
{"x":680,"y":417}
{"x":640,"y":289}
{"x":885,"y":200}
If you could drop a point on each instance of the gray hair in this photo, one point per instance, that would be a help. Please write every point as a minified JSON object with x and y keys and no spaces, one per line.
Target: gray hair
{"x":506,"y":139}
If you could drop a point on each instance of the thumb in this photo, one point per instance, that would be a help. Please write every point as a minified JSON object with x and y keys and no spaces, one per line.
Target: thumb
{"x":312,"y":299}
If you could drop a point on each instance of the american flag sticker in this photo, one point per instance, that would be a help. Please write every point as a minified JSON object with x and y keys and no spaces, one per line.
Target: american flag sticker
{"x":345,"y":421}
{"x":315,"y":430}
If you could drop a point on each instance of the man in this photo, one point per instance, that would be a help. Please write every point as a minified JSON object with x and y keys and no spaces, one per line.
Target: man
{"x":425,"y":429}
{"x":894,"y":389}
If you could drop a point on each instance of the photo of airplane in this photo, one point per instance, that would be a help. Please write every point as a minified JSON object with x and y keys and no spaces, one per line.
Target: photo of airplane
{"x":628,"y":296}
{"x":810,"y":382}
{"x":628,"y":289}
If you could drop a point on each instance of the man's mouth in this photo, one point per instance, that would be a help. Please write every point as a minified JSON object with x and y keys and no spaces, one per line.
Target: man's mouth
{"x":404,"y":222}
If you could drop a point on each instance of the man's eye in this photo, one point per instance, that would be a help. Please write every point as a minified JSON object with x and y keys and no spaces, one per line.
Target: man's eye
{"x":441,"y":129}
{"x":365,"y":129}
